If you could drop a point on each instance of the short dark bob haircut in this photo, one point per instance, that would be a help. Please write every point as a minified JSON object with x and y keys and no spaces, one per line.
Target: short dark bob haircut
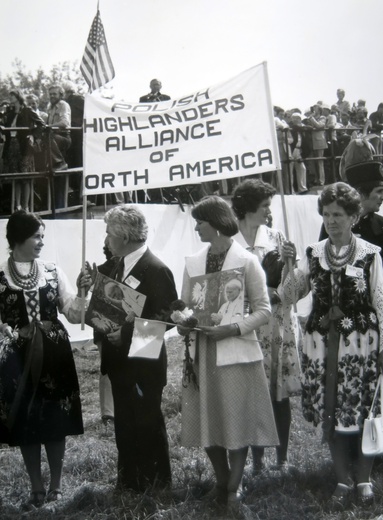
{"x":21,"y":226}
{"x":344,"y":195}
{"x":248,"y":196}
{"x":217,"y":212}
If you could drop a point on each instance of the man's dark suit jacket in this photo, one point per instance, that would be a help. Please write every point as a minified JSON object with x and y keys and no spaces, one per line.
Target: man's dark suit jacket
{"x":152,"y":98}
{"x":157,"y":283}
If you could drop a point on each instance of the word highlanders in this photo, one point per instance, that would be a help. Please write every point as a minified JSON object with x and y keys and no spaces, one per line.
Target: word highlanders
{"x":134,"y":123}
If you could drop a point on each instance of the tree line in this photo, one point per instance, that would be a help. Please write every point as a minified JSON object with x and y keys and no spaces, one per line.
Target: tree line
{"x":37,"y":82}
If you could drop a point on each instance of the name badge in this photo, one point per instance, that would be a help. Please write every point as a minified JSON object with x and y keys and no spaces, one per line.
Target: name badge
{"x":132,"y":282}
{"x":354,"y":272}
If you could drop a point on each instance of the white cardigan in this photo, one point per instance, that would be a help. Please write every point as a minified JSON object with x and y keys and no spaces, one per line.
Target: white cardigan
{"x":244,"y":348}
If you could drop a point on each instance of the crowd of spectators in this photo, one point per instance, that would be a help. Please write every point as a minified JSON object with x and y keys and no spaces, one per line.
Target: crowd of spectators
{"x":57,"y":146}
{"x":307,"y":138}
{"x":306,"y":141}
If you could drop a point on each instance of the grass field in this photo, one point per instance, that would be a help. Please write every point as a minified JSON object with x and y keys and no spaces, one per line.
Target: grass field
{"x":90,"y":471}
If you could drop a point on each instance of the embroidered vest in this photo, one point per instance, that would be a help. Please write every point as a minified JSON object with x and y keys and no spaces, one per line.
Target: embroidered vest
{"x":354,"y":299}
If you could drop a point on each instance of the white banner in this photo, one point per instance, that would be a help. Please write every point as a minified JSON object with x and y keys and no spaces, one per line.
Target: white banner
{"x":217,"y":133}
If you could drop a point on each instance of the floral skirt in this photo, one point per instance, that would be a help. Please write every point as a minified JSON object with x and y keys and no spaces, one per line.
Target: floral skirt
{"x":356,"y":379}
{"x":49,"y":408}
{"x":281,"y":340}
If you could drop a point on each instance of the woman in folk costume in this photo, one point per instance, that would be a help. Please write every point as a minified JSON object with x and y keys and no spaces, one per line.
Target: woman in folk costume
{"x":343,"y":342}
{"x":39,"y":390}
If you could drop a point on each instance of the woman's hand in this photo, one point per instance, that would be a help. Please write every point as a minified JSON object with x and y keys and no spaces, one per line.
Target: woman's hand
{"x":289,"y":251}
{"x":220,"y":332}
{"x":91,"y":270}
{"x":6,"y":330}
{"x":183,"y":331}
{"x":115,"y":338}
{"x":84,"y":281}
{"x":273,"y":295}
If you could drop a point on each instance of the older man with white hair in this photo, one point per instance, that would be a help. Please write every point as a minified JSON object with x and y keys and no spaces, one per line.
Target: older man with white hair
{"x":137,"y":382}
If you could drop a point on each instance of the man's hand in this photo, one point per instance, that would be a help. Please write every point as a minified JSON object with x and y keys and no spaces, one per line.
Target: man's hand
{"x":115,"y":338}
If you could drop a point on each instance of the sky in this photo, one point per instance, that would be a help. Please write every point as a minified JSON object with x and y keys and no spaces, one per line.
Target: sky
{"x":312,"y":47}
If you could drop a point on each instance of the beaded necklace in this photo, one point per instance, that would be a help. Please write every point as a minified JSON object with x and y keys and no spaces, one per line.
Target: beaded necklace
{"x":337,"y":262}
{"x":25,"y":281}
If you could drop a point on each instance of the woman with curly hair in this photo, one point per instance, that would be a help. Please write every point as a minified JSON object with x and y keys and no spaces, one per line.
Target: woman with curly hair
{"x":281,"y":335}
{"x":344,"y":340}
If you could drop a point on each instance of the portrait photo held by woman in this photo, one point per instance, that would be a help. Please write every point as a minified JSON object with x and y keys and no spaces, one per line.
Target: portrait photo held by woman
{"x":229,"y":408}
{"x":281,"y":336}
{"x":343,"y":340}
{"x":19,"y":147}
{"x":39,"y":390}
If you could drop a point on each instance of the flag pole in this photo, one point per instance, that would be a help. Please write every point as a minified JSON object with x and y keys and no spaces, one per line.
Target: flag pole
{"x":289,"y":261}
{"x":84,"y":210}
{"x":97,"y":69}
{"x":280,"y":186}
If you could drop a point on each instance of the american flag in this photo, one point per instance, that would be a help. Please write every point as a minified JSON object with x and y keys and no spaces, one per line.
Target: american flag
{"x":96,"y":64}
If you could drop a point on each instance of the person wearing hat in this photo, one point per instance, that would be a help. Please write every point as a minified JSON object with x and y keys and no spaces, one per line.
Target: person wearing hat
{"x":367,"y":179}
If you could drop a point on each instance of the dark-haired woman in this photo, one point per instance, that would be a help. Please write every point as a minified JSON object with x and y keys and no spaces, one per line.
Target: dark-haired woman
{"x":18,"y":147}
{"x":281,"y":336}
{"x":232,"y":409}
{"x":39,"y":391}
{"x":343,"y":343}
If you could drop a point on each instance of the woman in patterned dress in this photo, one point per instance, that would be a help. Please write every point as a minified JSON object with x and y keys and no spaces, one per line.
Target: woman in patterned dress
{"x":39,"y":390}
{"x":231,"y":409}
{"x":281,"y":336}
{"x":343,"y":342}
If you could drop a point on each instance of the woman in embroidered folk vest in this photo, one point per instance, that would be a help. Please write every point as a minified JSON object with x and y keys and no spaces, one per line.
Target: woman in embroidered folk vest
{"x":344,"y":339}
{"x":39,"y":390}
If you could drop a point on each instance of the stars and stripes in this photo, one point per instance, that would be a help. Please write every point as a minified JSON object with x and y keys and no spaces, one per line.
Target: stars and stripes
{"x":96,"y":65}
